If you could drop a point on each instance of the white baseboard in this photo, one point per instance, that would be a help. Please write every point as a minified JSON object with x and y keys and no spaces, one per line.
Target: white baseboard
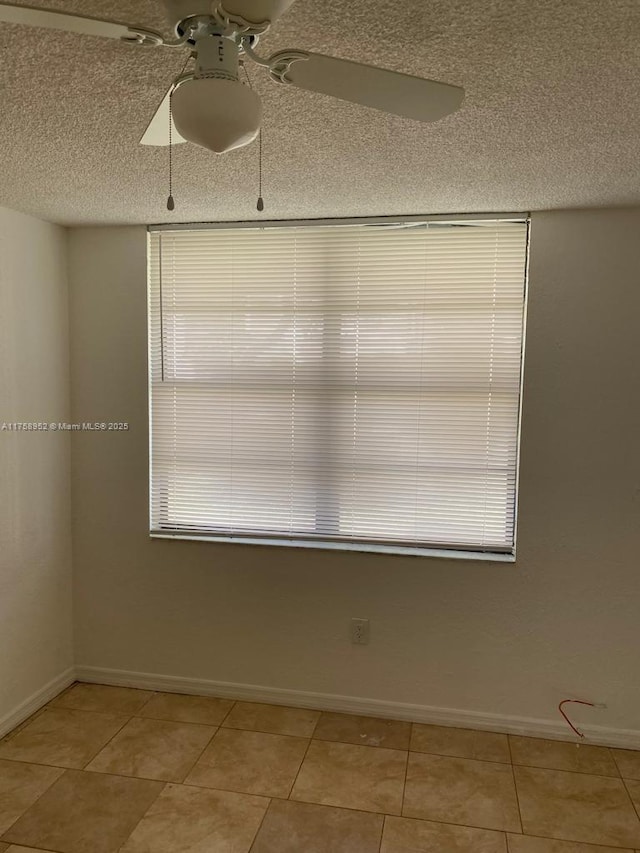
{"x":528,"y":726}
{"x":36,"y":701}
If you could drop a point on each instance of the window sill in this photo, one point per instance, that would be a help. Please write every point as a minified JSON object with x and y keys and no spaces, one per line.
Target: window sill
{"x":328,"y":545}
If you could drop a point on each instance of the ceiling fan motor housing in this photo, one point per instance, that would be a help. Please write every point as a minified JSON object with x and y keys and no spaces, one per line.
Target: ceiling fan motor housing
{"x":217,"y":56}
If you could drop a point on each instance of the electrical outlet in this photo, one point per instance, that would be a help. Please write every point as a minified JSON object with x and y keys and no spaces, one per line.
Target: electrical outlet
{"x":360,"y":632}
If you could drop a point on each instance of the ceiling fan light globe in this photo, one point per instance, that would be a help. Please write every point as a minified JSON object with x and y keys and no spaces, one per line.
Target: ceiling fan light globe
{"x":217,"y":114}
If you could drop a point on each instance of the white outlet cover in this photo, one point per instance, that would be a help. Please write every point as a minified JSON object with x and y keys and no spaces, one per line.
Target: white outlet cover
{"x":360,"y":631}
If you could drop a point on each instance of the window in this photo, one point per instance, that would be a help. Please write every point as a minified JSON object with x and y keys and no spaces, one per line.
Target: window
{"x":338,"y":385}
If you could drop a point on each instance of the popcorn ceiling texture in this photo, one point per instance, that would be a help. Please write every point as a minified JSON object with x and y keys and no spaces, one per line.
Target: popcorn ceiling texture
{"x":551,"y":118}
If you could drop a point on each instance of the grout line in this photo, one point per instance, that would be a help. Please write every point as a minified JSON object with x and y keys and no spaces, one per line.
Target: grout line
{"x":515,"y":788}
{"x":215,"y":731}
{"x":633,"y":803}
{"x":351,"y":743}
{"x":313,"y":733}
{"x":226,"y":716}
{"x":404,"y":783}
{"x":224,"y":724}
{"x":263,"y":732}
{"x":461,"y":757}
{"x":562,"y":770}
{"x":138,"y":713}
{"x":330,"y":806}
{"x":510,"y":750}
{"x":613,"y":759}
{"x":142,"y":716}
{"x":64,"y":709}
{"x":304,"y":758}
{"x":441,"y":822}
{"x":384,"y":823}
{"x":596,"y":845}
{"x":174,"y":721}
{"x":52,"y":702}
{"x":264,"y":817}
{"x":199,"y":758}
{"x":104,"y":746}
{"x":153,"y":693}
{"x":156,"y":780}
{"x":160,"y":793}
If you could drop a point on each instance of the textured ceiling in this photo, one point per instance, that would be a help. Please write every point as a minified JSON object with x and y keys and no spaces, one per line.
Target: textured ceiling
{"x":551,"y":117}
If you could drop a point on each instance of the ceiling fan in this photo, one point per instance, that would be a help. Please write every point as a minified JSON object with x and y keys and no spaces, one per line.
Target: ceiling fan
{"x":211,"y":106}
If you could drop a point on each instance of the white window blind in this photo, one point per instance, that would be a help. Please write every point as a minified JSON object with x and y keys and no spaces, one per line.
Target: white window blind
{"x":325,"y":384}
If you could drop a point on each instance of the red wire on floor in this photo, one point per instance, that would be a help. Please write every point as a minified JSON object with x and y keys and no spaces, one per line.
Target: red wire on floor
{"x":577,"y":702}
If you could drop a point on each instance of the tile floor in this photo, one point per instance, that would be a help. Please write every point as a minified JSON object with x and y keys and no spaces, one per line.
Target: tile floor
{"x":116,"y":770}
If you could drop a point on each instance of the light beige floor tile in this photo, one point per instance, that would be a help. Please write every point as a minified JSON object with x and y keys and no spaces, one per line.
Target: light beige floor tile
{"x":628,"y":761}
{"x":206,"y":710}
{"x":195,"y":820}
{"x":364,"y":731}
{"x":85,"y":813}
{"x":576,"y":807}
{"x":62,"y":737}
{"x":527,"y":844}
{"x":98,"y":697}
{"x":460,"y":743}
{"x":303,"y":828}
{"x":355,"y":777}
{"x":558,"y":755}
{"x":250,"y":763}
{"x":153,"y":749}
{"x":272,"y":718}
{"x":406,"y":835}
{"x":461,"y":790}
{"x":20,"y":786}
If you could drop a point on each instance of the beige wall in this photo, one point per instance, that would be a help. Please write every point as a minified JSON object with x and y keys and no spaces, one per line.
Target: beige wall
{"x":35,"y":534}
{"x":491,"y":638}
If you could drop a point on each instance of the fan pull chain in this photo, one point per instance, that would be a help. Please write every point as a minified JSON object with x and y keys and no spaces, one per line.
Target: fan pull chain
{"x":260,"y":204}
{"x":171,"y":204}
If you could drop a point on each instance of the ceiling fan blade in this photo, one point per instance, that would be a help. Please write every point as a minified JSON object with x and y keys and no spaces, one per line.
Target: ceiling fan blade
{"x":400,"y":94}
{"x":257,"y":11}
{"x":31,"y":16}
{"x":157,"y":133}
